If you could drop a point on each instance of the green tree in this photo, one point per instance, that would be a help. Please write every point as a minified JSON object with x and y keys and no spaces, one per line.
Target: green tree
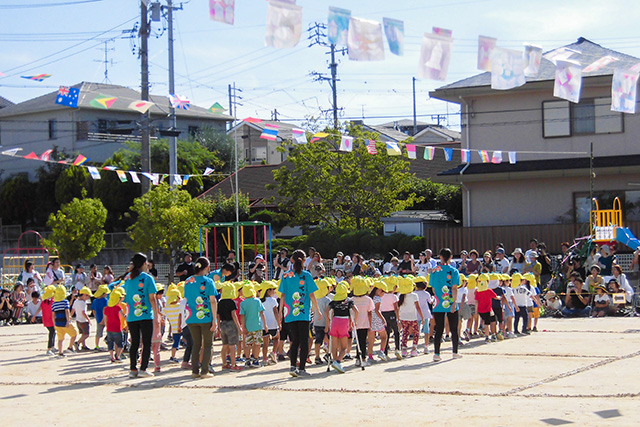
{"x":116,"y":196}
{"x":78,"y":229}
{"x":72,"y":183}
{"x":222,"y":145}
{"x":167,"y":221}
{"x":436,"y":196}
{"x":224,"y":208}
{"x":343,"y":189}
{"x":17,"y":200}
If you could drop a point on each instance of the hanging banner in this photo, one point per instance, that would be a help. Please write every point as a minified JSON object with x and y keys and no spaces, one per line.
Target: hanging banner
{"x":465,"y":155}
{"x":485,"y":47}
{"x":560,"y":54}
{"x":103,"y":101}
{"x":299,"y":136}
{"x":180,"y":102}
{"x":134,"y":177}
{"x":624,"y":89}
{"x":284,"y":25}
{"x":46,"y":155}
{"x":371,"y":147}
{"x":393,"y":149}
{"x":532,"y":60}
{"x":435,"y":55}
{"x":122,"y":176}
{"x":411,"y":151}
{"x":600,"y":64}
{"x":270,"y":132}
{"x":93,"y":171}
{"x":364,"y":41}
{"x":507,"y":69}
{"x":442,"y":31}
{"x":512,"y":157}
{"x":141,"y":106}
{"x":429,"y":153}
{"x":346,"y":143}
{"x":222,"y":11}
{"x":68,"y":96}
{"x":568,"y":81}
{"x":448,"y":154}
{"x":80,"y":160}
{"x":394,"y":30}
{"x":338,"y":26}
{"x":207,"y":172}
{"x":484,"y":155}
{"x":497,"y":157}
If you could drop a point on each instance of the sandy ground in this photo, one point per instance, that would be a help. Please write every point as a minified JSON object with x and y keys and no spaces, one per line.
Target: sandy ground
{"x":574,"y":371}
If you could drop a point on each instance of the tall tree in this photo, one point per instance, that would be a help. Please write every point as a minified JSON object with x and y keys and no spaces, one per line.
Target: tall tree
{"x":436,"y":196}
{"x":222,"y":145}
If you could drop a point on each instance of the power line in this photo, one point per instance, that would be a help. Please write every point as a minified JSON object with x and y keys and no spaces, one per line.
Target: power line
{"x":38,"y":5}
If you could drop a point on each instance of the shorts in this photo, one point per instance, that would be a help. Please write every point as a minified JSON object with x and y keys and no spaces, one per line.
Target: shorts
{"x":272,"y":332}
{"x":229,"y":332}
{"x":487,"y":318}
{"x":530,"y":309}
{"x":472,"y":309}
{"x":339,"y":327}
{"x":319,"y":339}
{"x":61,"y":331}
{"x":497,"y":312}
{"x":83,"y":327}
{"x":176,"y":340}
{"x":377,"y":324}
{"x":465,"y":311}
{"x":99,"y":330}
{"x":426,"y":327}
{"x":114,"y":339}
{"x":508,"y":311}
{"x":536,"y":312}
{"x":284,"y":332}
{"x":254,"y":338}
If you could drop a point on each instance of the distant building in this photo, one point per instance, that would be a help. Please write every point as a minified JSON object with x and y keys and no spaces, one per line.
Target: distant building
{"x":414,"y":223}
{"x":4,"y":102}
{"x":405,"y":126}
{"x":40,"y":124}
{"x":259,"y":151}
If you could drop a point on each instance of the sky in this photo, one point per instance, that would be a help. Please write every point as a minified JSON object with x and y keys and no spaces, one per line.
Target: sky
{"x":67,"y":39}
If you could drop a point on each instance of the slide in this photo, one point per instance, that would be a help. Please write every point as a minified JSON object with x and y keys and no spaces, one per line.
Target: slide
{"x":626,"y":237}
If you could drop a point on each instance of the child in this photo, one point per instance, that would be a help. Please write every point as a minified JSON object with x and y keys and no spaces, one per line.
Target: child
{"x":172,"y":312}
{"x":5,"y":307}
{"x":18,"y":301}
{"x":364,"y":305}
{"x":241,"y":350}
{"x":80,"y":278}
{"x":33,"y":308}
{"x":378,"y":322}
{"x":229,"y":326}
{"x":603,"y":302}
{"x":389,"y":309}
{"x":465,"y":311}
{"x":253,"y":323}
{"x":113,"y":318}
{"x":47,"y":318}
{"x":60,"y":308}
{"x":508,"y":305}
{"x":339,"y":276}
{"x":158,"y":330}
{"x":484,"y":298}
{"x":97,"y":306}
{"x":496,"y":304}
{"x":424,"y":299}
{"x":533,"y":304}
{"x":82,"y":318}
{"x":521,"y":295}
{"x":409,"y":313}
{"x":472,"y":323}
{"x":324,"y":297}
{"x":186,"y":333}
{"x":270,"y":303}
{"x":340,"y":310}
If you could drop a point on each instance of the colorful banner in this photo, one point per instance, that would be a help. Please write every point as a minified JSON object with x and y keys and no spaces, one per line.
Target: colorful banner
{"x":497,"y":157}
{"x":365,"y":41}
{"x":442,"y":31}
{"x":485,"y":47}
{"x":560,"y":54}
{"x":46,"y":155}
{"x":222,"y":11}
{"x":338,"y":26}
{"x":68,"y":96}
{"x":624,"y":89}
{"x":208,"y":171}
{"x":270,"y":132}
{"x":122,"y":176}
{"x":465,"y":155}
{"x":435,"y":55}
{"x":134,"y":177}
{"x":371,"y":147}
{"x":102,"y":101}
{"x":179,"y":102}
{"x":532,"y":60}
{"x":93,"y":171}
{"x":429,"y":153}
{"x":448,"y":154}
{"x":507,"y":69}
{"x":141,"y":106}
{"x":284,"y":25}
{"x":299,"y":136}
{"x":394,"y":30}
{"x":393,"y":149}
{"x":216,"y":108}
{"x":600,"y":64}
{"x":411,"y":151}
{"x":38,"y":78}
{"x":346,"y":143}
{"x":512,"y":157}
{"x":568,"y":81}
{"x":80,"y":160}
{"x":484,"y":155}
{"x":318,"y":136}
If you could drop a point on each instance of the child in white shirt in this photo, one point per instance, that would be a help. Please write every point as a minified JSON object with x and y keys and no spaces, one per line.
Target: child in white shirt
{"x":424,"y":299}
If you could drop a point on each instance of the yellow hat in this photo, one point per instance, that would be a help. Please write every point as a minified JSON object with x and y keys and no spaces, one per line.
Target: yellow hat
{"x":102,"y":290}
{"x":86,"y":291}
{"x":48,"y":292}
{"x":505,"y":277}
{"x":119,"y":290}
{"x":531,"y":278}
{"x":516,"y":279}
{"x":405,"y":285}
{"x":60,"y":293}
{"x":342,"y":292}
{"x":380,"y":285}
{"x":391,"y":282}
{"x":483,"y":285}
{"x":172,"y":286}
{"x":114,"y":298}
{"x":323,"y":288}
{"x":159,"y":287}
{"x":494,"y":276}
{"x":173,"y":295}
{"x":472,"y":281}
{"x":463,"y":278}
{"x":332,"y":281}
{"x":360,"y":286}
{"x":228,"y":291}
{"x":265,"y":286}
{"x":248,"y":291}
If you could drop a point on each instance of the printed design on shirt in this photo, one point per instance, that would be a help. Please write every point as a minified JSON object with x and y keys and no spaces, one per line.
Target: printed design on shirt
{"x":447,"y":298}
{"x":297,"y":305}
{"x":139,"y":299}
{"x":202,"y":304}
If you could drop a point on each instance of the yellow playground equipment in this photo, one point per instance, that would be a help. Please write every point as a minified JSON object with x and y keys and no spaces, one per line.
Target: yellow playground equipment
{"x":606,"y":226}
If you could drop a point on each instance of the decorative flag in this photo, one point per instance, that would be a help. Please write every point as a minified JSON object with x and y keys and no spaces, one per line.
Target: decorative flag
{"x":38,"y":78}
{"x":252,"y":120}
{"x":179,"y":102}
{"x":11,"y":152}
{"x":208,"y":171}
{"x":465,"y":155}
{"x":568,"y":80}
{"x":371,"y":147}
{"x":217,"y":109}
{"x":134,"y":177}
{"x":318,"y":136}
{"x":153,"y":177}
{"x":109,"y":168}
{"x":270,"y":132}
{"x":600,"y":64}
{"x":141,"y":106}
{"x":299,"y":136}
{"x":623,"y":91}
{"x":635,"y":68}
{"x":346,"y":143}
{"x":122,"y":176}
{"x":441,"y":31}
{"x":222,"y":11}
{"x":485,"y":47}
{"x":103,"y":101}
{"x":365,"y":41}
{"x":429,"y":153}
{"x":560,"y":54}
{"x":394,"y":30}
{"x":177,"y":179}
{"x":507,"y":69}
{"x":80,"y":160}
{"x":497,"y":157}
{"x":532,"y":60}
{"x":284,"y":25}
{"x":338,"y":25}
{"x":411,"y":151}
{"x":448,"y":154}
{"x":45,"y":156}
{"x":512,"y":157}
{"x":31,"y":156}
{"x":68,"y":96}
{"x":93,"y":171}
{"x":393,"y":149}
{"x":484,"y":155}
{"x":435,"y":55}
{"x":185,"y":180}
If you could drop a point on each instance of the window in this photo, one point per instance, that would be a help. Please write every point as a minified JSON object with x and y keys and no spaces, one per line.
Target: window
{"x":82,"y":131}
{"x":193,"y":131}
{"x":52,"y":129}
{"x":589,"y":117}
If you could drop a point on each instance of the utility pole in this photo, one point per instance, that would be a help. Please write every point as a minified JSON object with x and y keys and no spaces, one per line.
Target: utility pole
{"x":173,"y":139}
{"x":415,"y":122}
{"x":145,"y":149}
{"x":334,"y":79}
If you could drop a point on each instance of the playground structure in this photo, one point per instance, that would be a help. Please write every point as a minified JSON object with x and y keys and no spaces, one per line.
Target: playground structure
{"x":13,"y":258}
{"x":606,"y":226}
{"x":238,"y":241}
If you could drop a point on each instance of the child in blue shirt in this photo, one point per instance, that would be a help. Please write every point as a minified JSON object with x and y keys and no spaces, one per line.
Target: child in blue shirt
{"x":253,"y":323}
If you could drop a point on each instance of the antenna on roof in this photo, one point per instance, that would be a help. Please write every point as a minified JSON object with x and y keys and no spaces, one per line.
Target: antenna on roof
{"x":106,"y":61}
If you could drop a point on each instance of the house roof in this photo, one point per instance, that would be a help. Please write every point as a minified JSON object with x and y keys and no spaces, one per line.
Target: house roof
{"x":589,"y":53}
{"x":391,"y":133}
{"x":284,"y":129}
{"x":429,"y":169}
{"x":124,"y":95}
{"x":402,"y":123}
{"x":448,"y":134}
{"x":4,"y":102}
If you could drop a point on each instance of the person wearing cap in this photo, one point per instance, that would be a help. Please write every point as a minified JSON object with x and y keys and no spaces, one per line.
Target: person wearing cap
{"x":534,"y":267}
{"x":97,"y":306}
{"x":323,"y":297}
{"x":82,"y":318}
{"x":47,"y":318}
{"x":113,"y":320}
{"x":518,"y":262}
{"x":409,"y":314}
{"x":229,"y":326}
{"x":474,"y":266}
{"x":186,"y":269}
{"x":173,"y":315}
{"x":281,"y":263}
{"x":338,"y":315}
{"x":338,"y":262}
{"x":269,"y":300}
{"x":253,"y":324}
{"x":501,"y":262}
{"x":62,"y":319}
{"x":602,"y":302}
{"x":364,"y":304}
{"x":257,"y":269}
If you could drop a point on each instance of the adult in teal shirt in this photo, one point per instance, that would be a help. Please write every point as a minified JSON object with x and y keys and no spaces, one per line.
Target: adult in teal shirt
{"x":140,"y":295}
{"x":200,"y":293}
{"x":445,"y":280}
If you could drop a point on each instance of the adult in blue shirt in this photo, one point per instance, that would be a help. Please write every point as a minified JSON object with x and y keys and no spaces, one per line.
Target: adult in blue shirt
{"x":140,"y":295}
{"x":297,"y":288}
{"x":445,"y":280}
{"x":200,"y":293}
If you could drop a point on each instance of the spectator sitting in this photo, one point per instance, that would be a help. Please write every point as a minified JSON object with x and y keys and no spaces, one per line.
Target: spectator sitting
{"x":614,"y":288}
{"x":621,"y":278}
{"x":606,"y":260}
{"x":339,"y":276}
{"x":462,"y":264}
{"x":602,"y":302}
{"x":5,"y":307}
{"x":473,"y":265}
{"x":552,"y":303}
{"x":371,"y":269}
{"x":406,"y":266}
{"x":394,"y":267}
{"x":577,"y":300}
{"x":34,"y":314}
{"x":593,"y":280}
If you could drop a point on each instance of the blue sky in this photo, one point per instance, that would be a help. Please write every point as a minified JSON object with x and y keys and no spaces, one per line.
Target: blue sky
{"x":68,"y":42}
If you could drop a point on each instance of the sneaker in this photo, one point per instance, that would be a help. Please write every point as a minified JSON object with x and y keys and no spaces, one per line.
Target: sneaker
{"x":500,"y":336}
{"x":229,"y":360}
{"x":156,"y":370}
{"x":241,"y":359}
{"x":272,"y":358}
{"x":447,"y":338}
{"x":347,"y":357}
{"x":465,"y":335}
{"x":303,"y":373}
{"x":195,"y":376}
{"x":487,"y":340}
{"x":281,"y":358}
{"x":319,"y":361}
{"x":185,"y":365}
{"x":535,"y":329}
{"x":398,"y":355}
{"x":358,"y":362}
{"x":426,"y":351}
{"x":414,"y":353}
{"x":174,"y":360}
{"x":144,"y":374}
{"x":70,"y":350}
{"x":50,"y":353}
{"x":235,"y":368}
{"x":437,"y":358}
{"x":368,"y":362}
{"x":293,"y":371}
{"x":76,"y":347}
{"x":337,"y":366}
{"x":404,"y":354}
{"x":118,"y":360}
{"x":205,"y":375}
{"x":211,"y":370}
{"x":527,"y":332}
{"x":113,"y":360}
{"x":61,"y":355}
{"x":123,"y":356}
{"x":308,"y":362}
{"x":382,"y":356}
{"x":256,"y":364}
{"x":96,"y":348}
{"x":133,"y":374}
{"x":457,"y":356}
